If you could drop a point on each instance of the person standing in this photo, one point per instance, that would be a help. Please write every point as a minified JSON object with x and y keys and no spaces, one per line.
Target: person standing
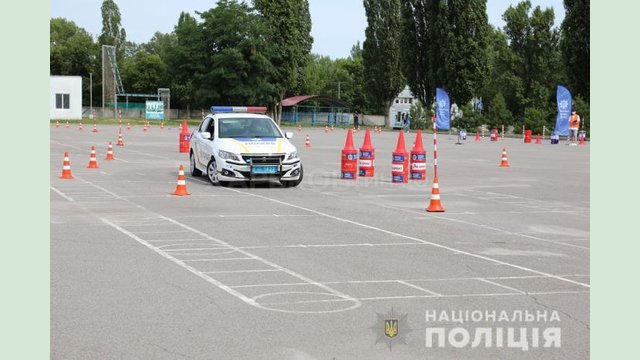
{"x":356,"y":119}
{"x":574,"y":126}
{"x":407,"y":120}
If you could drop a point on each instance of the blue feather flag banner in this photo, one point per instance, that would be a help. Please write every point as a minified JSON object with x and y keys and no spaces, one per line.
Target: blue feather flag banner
{"x":443,"y":110}
{"x":563,"y":97}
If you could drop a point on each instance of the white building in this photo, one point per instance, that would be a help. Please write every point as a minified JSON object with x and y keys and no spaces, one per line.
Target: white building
{"x":65,"y":97}
{"x":401,"y":105}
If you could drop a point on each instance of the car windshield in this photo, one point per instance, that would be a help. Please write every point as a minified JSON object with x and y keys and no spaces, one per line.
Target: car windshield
{"x":247,"y":128}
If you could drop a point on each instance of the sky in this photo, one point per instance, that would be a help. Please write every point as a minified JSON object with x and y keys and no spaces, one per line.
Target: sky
{"x":336,"y":24}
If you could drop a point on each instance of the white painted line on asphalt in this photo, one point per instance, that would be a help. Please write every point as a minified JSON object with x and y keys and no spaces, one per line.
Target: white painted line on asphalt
{"x":162,"y":232}
{"x":484,"y":226}
{"x":502,"y":286}
{"x":222,"y":286}
{"x":222,"y":259}
{"x":419,"y":288}
{"x":195,"y":249}
{"x":429,"y":297}
{"x":477,"y":256}
{"x":409,"y":280}
{"x":243,"y":271}
{"x":179,"y":240}
{"x":191,"y":269}
{"x":68,"y":198}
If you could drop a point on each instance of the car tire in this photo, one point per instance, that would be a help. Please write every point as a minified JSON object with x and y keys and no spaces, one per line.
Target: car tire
{"x":293,"y":183}
{"x":192,"y":163}
{"x":212,"y":173}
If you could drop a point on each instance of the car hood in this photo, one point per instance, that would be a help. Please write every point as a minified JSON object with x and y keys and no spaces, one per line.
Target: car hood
{"x":256,"y":145}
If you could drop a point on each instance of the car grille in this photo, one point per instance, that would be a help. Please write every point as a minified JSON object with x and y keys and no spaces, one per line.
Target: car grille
{"x":263,"y":159}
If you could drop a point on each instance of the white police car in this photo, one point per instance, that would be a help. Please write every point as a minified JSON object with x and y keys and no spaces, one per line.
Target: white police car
{"x":235,"y":143}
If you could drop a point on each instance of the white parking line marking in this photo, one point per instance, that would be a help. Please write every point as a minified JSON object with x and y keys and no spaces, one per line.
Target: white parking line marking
{"x":502,"y":286}
{"x":68,"y":198}
{"x":244,"y":271}
{"x":222,"y":259}
{"x":427,"y":297}
{"x":194,"y":271}
{"x":207,"y":278}
{"x":419,"y":288}
{"x":484,"y":226}
{"x":416,"y":239}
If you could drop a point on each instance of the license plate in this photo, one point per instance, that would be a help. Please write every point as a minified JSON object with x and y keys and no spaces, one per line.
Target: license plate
{"x":264,"y":169}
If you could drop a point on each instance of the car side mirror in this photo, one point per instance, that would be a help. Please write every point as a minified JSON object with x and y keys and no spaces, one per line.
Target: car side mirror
{"x":206,"y":135}
{"x":288,"y":134}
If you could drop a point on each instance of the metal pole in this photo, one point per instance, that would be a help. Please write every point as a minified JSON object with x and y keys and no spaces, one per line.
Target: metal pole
{"x":503,"y":131}
{"x":544,"y":129}
{"x":338,"y":89}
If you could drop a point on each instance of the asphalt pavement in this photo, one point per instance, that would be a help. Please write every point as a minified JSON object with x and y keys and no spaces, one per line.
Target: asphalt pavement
{"x":326,"y":270}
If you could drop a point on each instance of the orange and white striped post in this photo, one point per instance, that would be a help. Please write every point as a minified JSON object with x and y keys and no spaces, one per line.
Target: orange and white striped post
{"x":435,"y":205}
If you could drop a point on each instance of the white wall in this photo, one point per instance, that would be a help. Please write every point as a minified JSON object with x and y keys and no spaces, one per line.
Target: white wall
{"x":71,"y":85}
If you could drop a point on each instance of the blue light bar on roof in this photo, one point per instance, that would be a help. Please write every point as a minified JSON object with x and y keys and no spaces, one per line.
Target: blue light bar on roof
{"x":238,"y":109}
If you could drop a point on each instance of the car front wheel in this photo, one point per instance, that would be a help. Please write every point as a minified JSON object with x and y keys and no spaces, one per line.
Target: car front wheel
{"x":212,"y":173}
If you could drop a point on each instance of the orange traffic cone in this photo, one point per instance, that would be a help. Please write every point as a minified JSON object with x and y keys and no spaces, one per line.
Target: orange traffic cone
{"x":505,"y":162}
{"x":95,"y":128}
{"x":128,"y":126}
{"x":120,"y":142}
{"x":67,"y":126}
{"x":299,"y":127}
{"x":477,"y":136}
{"x":434,"y":204}
{"x":538,"y":141}
{"x":326,"y":129}
{"x":582,"y":139}
{"x":307,"y":142}
{"x":181,"y":187}
{"x":161,"y":125}
{"x":93,"y":163}
{"x":66,"y":168}
{"x":80,"y":127}
{"x":109,"y":152}
{"x":57,"y":124}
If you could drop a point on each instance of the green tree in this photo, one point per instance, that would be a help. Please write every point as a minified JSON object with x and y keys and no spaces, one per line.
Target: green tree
{"x":381,"y":52}
{"x":72,"y":51}
{"x":185,"y":58}
{"x":466,"y":59}
{"x":112,"y":32}
{"x":497,"y":112}
{"x":289,"y":24}
{"x":144,"y":72}
{"x":425,"y":34}
{"x":535,"y":62}
{"x":575,"y":45}
{"x":535,"y":119}
{"x":236,"y":67}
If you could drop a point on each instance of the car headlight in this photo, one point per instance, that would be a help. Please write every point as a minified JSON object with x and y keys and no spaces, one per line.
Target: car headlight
{"x":292,"y":156}
{"x":227,"y":155}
